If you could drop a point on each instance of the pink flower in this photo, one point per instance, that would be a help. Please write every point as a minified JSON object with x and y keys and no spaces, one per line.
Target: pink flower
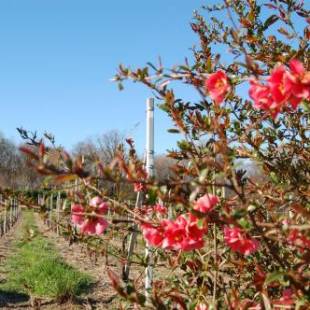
{"x":297,"y":239}
{"x":285,"y":301}
{"x":237,"y":240}
{"x":201,"y":307}
{"x":183,"y":233}
{"x":206,"y":203}
{"x":194,"y":233}
{"x":280,"y":90}
{"x":283,"y":86}
{"x":263,"y":100}
{"x":77,"y":216}
{"x":174,"y":235}
{"x":101,"y":206}
{"x":138,"y":187}
{"x":153,"y":235}
{"x":89,"y":220}
{"x":94,"y":226}
{"x":298,"y":79}
{"x":159,"y":208}
{"x":218,"y":86}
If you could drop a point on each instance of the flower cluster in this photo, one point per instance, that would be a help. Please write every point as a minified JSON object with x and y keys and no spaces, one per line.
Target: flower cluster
{"x":297,"y":239}
{"x":185,"y":233}
{"x":237,"y":240}
{"x":283,"y":85}
{"x":92,"y":223}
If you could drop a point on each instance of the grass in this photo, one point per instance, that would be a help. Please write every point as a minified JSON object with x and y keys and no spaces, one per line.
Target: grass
{"x":37,"y":270}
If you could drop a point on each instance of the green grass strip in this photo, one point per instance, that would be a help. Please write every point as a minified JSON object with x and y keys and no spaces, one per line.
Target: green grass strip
{"x":37,"y":270}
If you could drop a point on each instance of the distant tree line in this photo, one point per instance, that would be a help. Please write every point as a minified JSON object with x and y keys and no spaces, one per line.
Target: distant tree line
{"x":15,"y":173}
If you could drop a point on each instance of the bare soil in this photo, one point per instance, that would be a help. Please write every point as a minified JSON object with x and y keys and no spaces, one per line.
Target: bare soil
{"x":101,"y":296}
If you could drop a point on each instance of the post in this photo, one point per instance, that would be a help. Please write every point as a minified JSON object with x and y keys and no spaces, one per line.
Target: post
{"x":50,"y":211}
{"x":5,"y":219}
{"x":132,"y":242}
{"x":150,"y":173}
{"x":11,"y":213}
{"x":58,"y":213}
{"x":1,"y":224}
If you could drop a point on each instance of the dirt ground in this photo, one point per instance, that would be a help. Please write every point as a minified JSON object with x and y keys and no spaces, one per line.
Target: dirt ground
{"x":101,"y":296}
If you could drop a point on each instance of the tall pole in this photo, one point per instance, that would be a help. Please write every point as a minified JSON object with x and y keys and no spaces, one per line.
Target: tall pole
{"x":150,"y":174}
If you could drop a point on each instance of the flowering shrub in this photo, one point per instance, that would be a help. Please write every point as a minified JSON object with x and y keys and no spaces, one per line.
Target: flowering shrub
{"x":246,"y":141}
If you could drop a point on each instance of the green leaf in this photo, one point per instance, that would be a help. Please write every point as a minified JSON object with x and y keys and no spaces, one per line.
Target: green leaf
{"x":274,"y":177}
{"x":269,"y":21}
{"x":184,"y":145}
{"x":244,"y":223}
{"x":276,"y":277}
{"x":173,"y":130}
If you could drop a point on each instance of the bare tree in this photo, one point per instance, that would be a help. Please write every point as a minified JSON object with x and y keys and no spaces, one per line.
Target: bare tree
{"x":14,"y":170}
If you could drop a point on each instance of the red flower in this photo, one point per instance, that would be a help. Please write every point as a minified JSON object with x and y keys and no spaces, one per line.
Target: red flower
{"x":206,"y":203}
{"x":159,"y":208}
{"x":297,"y":239}
{"x":91,"y":223}
{"x":218,"y":86}
{"x":298,"y":79}
{"x":285,"y":301}
{"x":201,"y":307}
{"x":138,"y":187}
{"x":94,"y":226}
{"x":174,"y":235}
{"x":283,"y":86}
{"x":101,"y":206}
{"x":263,"y":100}
{"x":194,"y":233}
{"x":237,"y":240}
{"x":181,"y":234}
{"x":280,"y":90}
{"x":77,"y":214}
{"x":153,"y":235}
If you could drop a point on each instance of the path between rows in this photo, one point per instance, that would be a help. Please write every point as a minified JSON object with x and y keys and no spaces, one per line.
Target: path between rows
{"x":101,"y":296}
{"x":8,"y":300}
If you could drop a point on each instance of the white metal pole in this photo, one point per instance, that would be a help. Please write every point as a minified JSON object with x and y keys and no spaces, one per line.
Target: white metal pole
{"x":150,"y":173}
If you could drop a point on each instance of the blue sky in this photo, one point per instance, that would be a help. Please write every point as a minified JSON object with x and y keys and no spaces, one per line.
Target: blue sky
{"x":57,"y":58}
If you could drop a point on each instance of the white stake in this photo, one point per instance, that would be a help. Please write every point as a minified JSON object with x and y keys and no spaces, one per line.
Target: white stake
{"x":150,"y":173}
{"x":58,"y":203}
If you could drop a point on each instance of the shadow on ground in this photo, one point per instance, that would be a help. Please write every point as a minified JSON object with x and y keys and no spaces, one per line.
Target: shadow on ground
{"x":12,"y":298}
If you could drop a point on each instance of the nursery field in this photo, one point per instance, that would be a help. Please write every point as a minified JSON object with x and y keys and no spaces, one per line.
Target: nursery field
{"x":199,"y":200}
